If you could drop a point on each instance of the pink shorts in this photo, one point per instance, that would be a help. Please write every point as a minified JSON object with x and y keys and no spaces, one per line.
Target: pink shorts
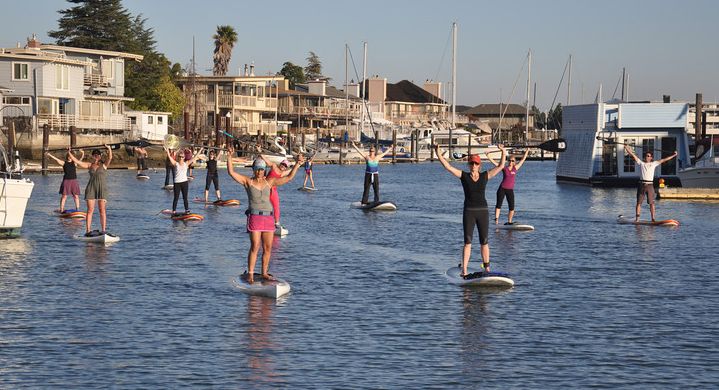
{"x":260,"y":223}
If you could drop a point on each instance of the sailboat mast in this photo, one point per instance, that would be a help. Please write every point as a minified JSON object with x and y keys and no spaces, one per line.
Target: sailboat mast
{"x":569,"y":83}
{"x":347,"y":95}
{"x":529,"y":83}
{"x":454,"y":72}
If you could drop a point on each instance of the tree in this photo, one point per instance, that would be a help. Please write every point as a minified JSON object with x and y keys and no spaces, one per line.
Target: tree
{"x":169,"y":97}
{"x":540,"y":118}
{"x":294,"y":73}
{"x":225,"y":39}
{"x":95,"y":24}
{"x":313,"y":70}
{"x":554,"y":117}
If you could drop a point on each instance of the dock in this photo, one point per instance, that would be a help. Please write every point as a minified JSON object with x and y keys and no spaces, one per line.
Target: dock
{"x":689,"y":193}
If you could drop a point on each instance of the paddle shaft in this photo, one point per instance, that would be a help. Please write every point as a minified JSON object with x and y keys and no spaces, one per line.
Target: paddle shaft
{"x":553,"y":145}
{"x":113,"y":146}
{"x":609,"y":141}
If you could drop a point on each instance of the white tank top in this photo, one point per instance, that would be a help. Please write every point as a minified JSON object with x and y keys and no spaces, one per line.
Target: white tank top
{"x":647,"y":170}
{"x":180,"y":172}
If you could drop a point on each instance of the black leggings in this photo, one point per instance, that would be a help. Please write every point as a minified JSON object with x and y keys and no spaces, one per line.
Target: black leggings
{"x":214,"y":179}
{"x":501,"y":193}
{"x":375,"y":186}
{"x":169,"y":175}
{"x":176,"y":190}
{"x":479,"y":217}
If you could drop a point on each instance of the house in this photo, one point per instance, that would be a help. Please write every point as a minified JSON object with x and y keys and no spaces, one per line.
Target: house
{"x":405,"y":103}
{"x":149,"y":125}
{"x":511,"y":115}
{"x":595,"y":134}
{"x":710,"y":118}
{"x":63,"y":86}
{"x":243,"y":100}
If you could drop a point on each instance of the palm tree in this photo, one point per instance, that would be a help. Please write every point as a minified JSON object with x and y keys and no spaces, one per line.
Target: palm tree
{"x":225,"y":39}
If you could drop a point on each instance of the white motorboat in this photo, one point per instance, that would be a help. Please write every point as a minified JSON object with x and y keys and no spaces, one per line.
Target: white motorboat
{"x":705,"y":171}
{"x":14,"y":194}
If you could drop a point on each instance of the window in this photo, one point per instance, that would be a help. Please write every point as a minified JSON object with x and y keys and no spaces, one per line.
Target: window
{"x":62,"y":73}
{"x":133,"y":120}
{"x":629,"y":163}
{"x":20,"y":71}
{"x":150,"y":119}
{"x":159,"y":120}
{"x":90,"y":109}
{"x":47,"y":106}
{"x":17,"y":100}
{"x":116,"y":108}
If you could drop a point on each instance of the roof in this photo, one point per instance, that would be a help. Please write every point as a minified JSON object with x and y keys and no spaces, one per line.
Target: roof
{"x":5,"y":89}
{"x":407,"y":91}
{"x":462,"y":108}
{"x":202,"y":78}
{"x":108,"y":53}
{"x":496,"y":110}
{"x":38,"y":55}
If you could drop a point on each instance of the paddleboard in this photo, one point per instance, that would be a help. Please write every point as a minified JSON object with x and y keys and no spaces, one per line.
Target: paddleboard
{"x":261,"y":287}
{"x":515,"y":226}
{"x":307,"y":189}
{"x":628,"y":221}
{"x":281,"y":231}
{"x":200,"y":200}
{"x":187,"y":217}
{"x":224,"y":202}
{"x":72,"y":214}
{"x":190,"y":178}
{"x":480,"y":278}
{"x":142,"y":176}
{"x":168,"y":187}
{"x":106,"y":238}
{"x":375,"y":206}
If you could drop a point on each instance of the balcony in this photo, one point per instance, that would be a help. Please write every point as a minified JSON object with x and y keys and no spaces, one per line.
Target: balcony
{"x":63,"y":122}
{"x":95,"y":80}
{"x":320,"y":112}
{"x":226,"y":100}
{"x":255,"y":128}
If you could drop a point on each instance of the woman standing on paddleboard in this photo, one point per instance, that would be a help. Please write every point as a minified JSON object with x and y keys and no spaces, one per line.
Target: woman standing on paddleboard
{"x":69,"y":185}
{"x":260,"y":222}
{"x":475,"y":211}
{"x":276,"y":171}
{"x":181,"y":184}
{"x":506,"y":188}
{"x":308,"y":172}
{"x":96,"y":190}
{"x":212,"y":175}
{"x":371,"y":175}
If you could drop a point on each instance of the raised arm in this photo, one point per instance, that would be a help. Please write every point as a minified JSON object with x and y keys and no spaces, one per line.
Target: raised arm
{"x":665,"y":159}
{"x":269,"y":163}
{"x":82,"y":154}
{"x":454,"y":171}
{"x":59,"y":162}
{"x":494,"y":171}
{"x":109,"y":156}
{"x":195,"y":156}
{"x":77,"y":162}
{"x":524,"y":158}
{"x":379,"y":156}
{"x":242,"y":179}
{"x":491,"y":159}
{"x":631,"y":153}
{"x":169,"y":155}
{"x":278,"y":181}
{"x":359,"y":151}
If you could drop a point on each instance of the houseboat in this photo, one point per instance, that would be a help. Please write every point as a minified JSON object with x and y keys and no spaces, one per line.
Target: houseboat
{"x":596,"y":135}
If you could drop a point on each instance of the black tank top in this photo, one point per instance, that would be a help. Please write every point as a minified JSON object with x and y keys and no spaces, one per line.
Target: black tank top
{"x":211,"y":167}
{"x":69,"y":171}
{"x":474,"y":190}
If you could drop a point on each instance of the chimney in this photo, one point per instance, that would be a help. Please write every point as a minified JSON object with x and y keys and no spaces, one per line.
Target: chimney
{"x":433,"y":87}
{"x":32,"y":42}
{"x":252,"y":69}
{"x":354,"y":89}
{"x":698,"y":118}
{"x":247,"y":72}
{"x":377,"y":90}
{"x":667,"y":98}
{"x":317,"y":87}
{"x":283,"y":85}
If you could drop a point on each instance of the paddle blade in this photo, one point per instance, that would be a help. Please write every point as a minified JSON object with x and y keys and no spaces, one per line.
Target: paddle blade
{"x":172,"y":141}
{"x":138,"y":144}
{"x":554,"y":145}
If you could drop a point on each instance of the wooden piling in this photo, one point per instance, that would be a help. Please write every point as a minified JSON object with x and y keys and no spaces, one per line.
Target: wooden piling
{"x":11,"y":143}
{"x":416,"y":146}
{"x":469,"y":144}
{"x":186,"y":123}
{"x":431,"y":148}
{"x":341,"y":144}
{"x":45,"y":144}
{"x":698,"y":118}
{"x":218,"y":138}
{"x":394,"y":146}
{"x":73,"y":136}
{"x":411,"y":144}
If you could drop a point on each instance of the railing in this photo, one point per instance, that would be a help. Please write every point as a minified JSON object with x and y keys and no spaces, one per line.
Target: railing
{"x":95,"y":79}
{"x":319,"y":111}
{"x":62,"y":121}
{"x":226,"y":100}
{"x":256,"y":128}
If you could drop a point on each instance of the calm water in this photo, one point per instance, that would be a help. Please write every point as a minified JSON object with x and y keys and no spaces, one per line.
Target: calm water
{"x":595,"y":304}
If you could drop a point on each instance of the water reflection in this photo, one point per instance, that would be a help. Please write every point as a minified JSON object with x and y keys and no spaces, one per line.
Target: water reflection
{"x":261,"y":345}
{"x":96,"y":256}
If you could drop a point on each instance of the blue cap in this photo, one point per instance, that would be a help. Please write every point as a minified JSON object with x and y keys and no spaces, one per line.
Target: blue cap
{"x":259,"y":164}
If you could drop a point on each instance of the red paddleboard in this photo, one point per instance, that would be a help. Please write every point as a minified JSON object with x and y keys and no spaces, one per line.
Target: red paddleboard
{"x":187,"y":217}
{"x":666,"y":222}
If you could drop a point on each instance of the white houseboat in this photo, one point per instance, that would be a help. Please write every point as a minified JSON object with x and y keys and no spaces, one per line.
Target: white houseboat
{"x":596,"y":134}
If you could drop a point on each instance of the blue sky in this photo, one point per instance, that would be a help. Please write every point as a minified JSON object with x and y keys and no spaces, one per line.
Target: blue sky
{"x":667,"y":46}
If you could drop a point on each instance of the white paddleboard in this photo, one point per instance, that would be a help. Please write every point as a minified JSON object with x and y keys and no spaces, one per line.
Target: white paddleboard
{"x":307,"y":189}
{"x":261,"y":287}
{"x":281,"y":231}
{"x":374,"y":206}
{"x":484,"y":279}
{"x":106,"y":238}
{"x":628,"y":221}
{"x":514,"y":226}
{"x":168,"y":187}
{"x":142,"y":177}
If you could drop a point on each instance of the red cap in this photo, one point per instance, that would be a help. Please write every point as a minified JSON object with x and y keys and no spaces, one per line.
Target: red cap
{"x":475,"y":159}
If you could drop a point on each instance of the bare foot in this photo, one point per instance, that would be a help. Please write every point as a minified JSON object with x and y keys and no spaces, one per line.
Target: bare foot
{"x":249,"y":278}
{"x":268,"y":277}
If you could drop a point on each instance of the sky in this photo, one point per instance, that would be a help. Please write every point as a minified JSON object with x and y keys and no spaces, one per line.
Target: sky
{"x":667,"y":47}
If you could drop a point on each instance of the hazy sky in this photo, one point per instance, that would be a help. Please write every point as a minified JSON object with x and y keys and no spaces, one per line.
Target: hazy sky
{"x":668,"y":47}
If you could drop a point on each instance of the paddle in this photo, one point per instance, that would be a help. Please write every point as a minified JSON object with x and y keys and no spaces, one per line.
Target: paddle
{"x":610,"y":141}
{"x":556,"y":145}
{"x":115,"y":146}
{"x":174,"y":142}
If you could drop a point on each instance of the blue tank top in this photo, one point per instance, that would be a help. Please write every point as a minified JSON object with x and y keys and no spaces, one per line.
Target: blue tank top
{"x":308,"y":165}
{"x":372,"y":166}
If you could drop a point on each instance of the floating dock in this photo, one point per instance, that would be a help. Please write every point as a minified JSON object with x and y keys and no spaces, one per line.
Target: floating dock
{"x":689,"y":193}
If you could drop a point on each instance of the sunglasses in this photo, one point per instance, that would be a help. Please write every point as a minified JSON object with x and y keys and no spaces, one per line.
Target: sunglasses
{"x":474,"y":163}
{"x":512,"y":160}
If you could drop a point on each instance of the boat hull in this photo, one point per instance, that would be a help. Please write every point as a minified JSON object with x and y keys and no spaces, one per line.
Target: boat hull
{"x":14,"y":194}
